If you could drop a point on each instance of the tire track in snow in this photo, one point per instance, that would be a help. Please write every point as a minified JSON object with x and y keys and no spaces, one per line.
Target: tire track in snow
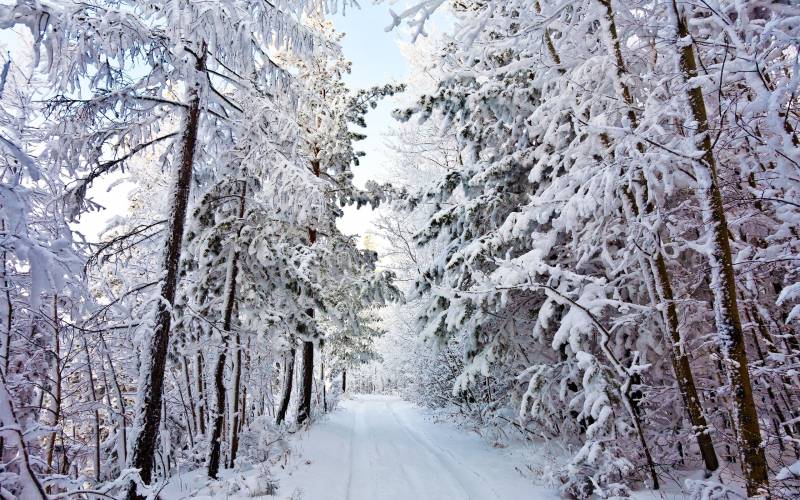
{"x":364,"y":454}
{"x":414,"y":483}
{"x":445,"y":464}
{"x":376,"y":458}
{"x":430,"y":443}
{"x":377,"y":448}
{"x":350,"y":457}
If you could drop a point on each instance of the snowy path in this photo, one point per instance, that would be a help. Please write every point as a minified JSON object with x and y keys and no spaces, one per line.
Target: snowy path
{"x":379,"y":448}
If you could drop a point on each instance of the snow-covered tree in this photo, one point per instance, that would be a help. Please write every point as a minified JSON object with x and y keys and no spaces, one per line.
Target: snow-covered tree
{"x":572,"y":236}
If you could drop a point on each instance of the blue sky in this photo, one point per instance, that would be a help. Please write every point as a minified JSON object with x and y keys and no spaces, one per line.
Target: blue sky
{"x":372,"y":50}
{"x":376,"y":60}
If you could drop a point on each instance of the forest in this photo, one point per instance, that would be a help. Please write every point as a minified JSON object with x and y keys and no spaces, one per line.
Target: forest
{"x":579,"y":276}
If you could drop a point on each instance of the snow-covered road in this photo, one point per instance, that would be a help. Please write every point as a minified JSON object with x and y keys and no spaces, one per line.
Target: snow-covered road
{"x":382,"y":448}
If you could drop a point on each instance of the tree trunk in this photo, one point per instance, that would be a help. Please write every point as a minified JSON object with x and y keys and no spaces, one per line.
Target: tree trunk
{"x":243,"y":406}
{"x":246,"y":376}
{"x":122,"y":445}
{"x":8,"y":420}
{"x":678,"y":357}
{"x":57,"y":372}
{"x":149,"y":415}
{"x":6,"y":347}
{"x":235,"y":407}
{"x":729,"y":325}
{"x":201,"y":394}
{"x":188,"y":381}
{"x":185,"y":405}
{"x":218,"y":414}
{"x":344,"y":381}
{"x":288,"y":381}
{"x":307,"y":382}
{"x":219,"y":385}
{"x":304,"y":411}
{"x":322,"y":379}
{"x":90,"y":374}
{"x":682,"y":368}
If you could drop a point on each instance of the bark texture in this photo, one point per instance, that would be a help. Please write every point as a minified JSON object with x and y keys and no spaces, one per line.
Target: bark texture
{"x":662,"y":280}
{"x":288,"y":382}
{"x":307,"y":380}
{"x":729,"y":325}
{"x":144,"y":448}
{"x":236,"y":419}
{"x":214,"y":445}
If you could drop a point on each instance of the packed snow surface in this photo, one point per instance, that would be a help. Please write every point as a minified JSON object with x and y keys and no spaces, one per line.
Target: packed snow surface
{"x":378,"y":447}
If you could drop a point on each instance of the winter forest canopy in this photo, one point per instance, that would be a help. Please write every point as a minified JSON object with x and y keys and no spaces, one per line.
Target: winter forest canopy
{"x":585,"y":246}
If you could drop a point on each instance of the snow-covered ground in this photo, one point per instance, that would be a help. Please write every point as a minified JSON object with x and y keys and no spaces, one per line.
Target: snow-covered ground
{"x":378,"y":447}
{"x":382,"y":448}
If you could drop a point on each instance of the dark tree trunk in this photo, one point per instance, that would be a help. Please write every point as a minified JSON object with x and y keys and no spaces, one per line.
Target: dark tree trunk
{"x":58,"y":385}
{"x":288,"y":381}
{"x":122,"y":425}
{"x":235,"y":417}
{"x":322,"y":379}
{"x":729,"y":324}
{"x":201,"y":395}
{"x":93,"y":392}
{"x":144,"y":448}
{"x":243,"y":406}
{"x":218,"y":415}
{"x":307,"y":381}
{"x":344,"y":381}
{"x":661,"y":277}
{"x":214,"y":444}
{"x":682,"y":368}
{"x":193,"y":424}
{"x":6,"y":349}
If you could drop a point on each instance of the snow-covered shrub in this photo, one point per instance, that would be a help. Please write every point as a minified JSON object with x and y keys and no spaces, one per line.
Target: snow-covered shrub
{"x":261,"y":441}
